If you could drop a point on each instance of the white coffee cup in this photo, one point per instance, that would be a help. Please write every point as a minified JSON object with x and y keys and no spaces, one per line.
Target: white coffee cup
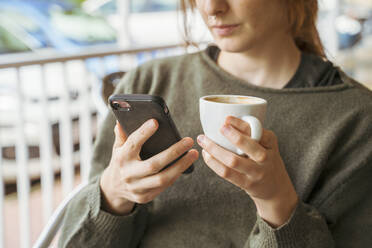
{"x":215,"y":108}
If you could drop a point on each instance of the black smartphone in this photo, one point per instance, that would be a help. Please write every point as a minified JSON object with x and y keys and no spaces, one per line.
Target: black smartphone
{"x":134,"y":109}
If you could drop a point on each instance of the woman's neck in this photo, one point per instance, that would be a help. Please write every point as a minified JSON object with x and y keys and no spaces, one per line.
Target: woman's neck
{"x":271,"y":64}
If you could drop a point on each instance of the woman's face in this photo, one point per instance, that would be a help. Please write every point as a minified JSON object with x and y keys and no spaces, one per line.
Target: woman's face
{"x":240,"y":25}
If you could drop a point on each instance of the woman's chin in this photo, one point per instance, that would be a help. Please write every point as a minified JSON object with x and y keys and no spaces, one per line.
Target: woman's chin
{"x":232,"y":43}
{"x":232,"y":46}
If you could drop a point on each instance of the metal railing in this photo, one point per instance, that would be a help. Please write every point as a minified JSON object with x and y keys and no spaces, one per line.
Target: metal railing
{"x":44,"y":111}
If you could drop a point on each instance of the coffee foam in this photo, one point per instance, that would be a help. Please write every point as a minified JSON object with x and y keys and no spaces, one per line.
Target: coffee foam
{"x":233,"y":100}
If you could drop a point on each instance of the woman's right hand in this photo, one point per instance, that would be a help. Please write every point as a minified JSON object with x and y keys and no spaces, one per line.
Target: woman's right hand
{"x":129,"y":180}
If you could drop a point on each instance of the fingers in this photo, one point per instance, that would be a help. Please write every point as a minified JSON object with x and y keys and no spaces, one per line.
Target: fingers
{"x":154,"y":164}
{"x":268,"y":139}
{"x":135,"y":141}
{"x":171,"y":154}
{"x":167,"y":177}
{"x":144,"y":196}
{"x":249,"y":146}
{"x":239,"y":124}
{"x":120,"y":136}
{"x":144,"y":190}
{"x":149,"y":196}
{"x":223,"y":171}
{"x":229,"y":159}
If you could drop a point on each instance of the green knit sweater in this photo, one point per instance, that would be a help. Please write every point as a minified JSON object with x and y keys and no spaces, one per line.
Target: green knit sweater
{"x":325,"y":140}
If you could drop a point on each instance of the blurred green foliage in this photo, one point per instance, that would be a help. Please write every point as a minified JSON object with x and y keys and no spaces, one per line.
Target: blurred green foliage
{"x":76,"y":2}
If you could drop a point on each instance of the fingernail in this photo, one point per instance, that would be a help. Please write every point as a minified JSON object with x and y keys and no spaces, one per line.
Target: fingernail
{"x":228,"y":119}
{"x":225,"y":129}
{"x":186,"y":142}
{"x":151,"y":123}
{"x":194,"y":154}
{"x":205,"y":154}
{"x":200,"y":139}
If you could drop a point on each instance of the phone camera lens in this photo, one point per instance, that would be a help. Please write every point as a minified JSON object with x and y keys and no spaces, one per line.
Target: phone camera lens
{"x":125,"y":106}
{"x":121,"y":106}
{"x":116,"y":105}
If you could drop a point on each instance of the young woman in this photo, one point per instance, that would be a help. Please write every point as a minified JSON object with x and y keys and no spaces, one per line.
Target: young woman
{"x":306,"y":183}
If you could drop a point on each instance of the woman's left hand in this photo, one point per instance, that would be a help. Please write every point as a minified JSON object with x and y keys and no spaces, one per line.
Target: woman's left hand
{"x":262,"y":173}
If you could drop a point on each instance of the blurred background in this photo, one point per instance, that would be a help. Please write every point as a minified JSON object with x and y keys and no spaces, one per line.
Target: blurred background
{"x":60,"y":59}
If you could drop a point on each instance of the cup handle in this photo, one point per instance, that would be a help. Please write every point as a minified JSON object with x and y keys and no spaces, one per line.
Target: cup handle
{"x":256,"y":129}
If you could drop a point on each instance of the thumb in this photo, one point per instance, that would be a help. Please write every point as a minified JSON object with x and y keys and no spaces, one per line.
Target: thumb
{"x":120,"y":136}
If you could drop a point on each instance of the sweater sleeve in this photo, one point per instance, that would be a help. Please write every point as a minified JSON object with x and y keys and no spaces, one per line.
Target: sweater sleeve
{"x":344,"y":219}
{"x":305,"y":228}
{"x":339,"y":214}
{"x":85,"y":224}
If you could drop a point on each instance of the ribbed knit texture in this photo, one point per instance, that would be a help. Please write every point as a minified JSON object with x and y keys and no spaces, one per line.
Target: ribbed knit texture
{"x":325,"y":140}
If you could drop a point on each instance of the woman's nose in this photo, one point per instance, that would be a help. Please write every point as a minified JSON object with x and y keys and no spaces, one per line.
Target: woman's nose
{"x":214,"y":7}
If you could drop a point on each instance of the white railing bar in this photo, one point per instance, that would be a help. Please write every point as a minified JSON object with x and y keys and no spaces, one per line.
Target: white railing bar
{"x":101,"y":107}
{"x":103,"y":66}
{"x":65,"y":136}
{"x":24,"y":59}
{"x":85,"y":127}
{"x":122,"y":65}
{"x":46,"y":151}
{"x":2,"y":193}
{"x":23,"y":182}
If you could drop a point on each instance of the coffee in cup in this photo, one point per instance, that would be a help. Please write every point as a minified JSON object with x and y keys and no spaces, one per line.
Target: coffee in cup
{"x":215,"y":108}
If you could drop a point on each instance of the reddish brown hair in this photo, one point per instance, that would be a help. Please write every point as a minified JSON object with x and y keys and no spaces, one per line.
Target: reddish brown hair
{"x":302,"y":16}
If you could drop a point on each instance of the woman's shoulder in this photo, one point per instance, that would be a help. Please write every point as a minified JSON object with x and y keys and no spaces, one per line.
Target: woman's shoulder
{"x":357,"y":91}
{"x":352,"y":105}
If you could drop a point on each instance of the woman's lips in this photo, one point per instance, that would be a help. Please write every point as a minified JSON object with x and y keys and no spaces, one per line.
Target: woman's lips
{"x":224,"y":30}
